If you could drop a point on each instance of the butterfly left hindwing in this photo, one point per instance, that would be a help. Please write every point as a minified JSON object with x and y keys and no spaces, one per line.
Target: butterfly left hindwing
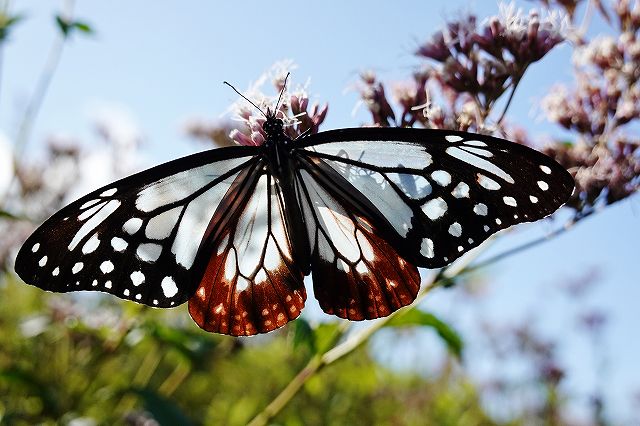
{"x":251,"y":283}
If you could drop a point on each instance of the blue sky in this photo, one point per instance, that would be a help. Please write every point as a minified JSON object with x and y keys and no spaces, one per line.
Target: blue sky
{"x":165,"y":63}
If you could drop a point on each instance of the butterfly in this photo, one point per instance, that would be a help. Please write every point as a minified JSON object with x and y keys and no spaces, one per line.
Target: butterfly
{"x":235,"y":230}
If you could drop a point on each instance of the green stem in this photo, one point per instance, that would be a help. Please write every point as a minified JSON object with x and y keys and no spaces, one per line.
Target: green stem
{"x":318,"y":362}
{"x":37,"y":98}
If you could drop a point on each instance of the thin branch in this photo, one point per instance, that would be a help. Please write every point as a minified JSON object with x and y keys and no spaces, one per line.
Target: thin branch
{"x":354,"y":341}
{"x":514,"y":85}
{"x":520,"y":248}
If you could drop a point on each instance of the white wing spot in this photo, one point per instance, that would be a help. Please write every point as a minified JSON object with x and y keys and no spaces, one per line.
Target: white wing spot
{"x":342,"y":265}
{"x":545,"y":169}
{"x":55,"y":272}
{"x":77,"y":267}
{"x":426,"y":248}
{"x":242,"y":284}
{"x":487,"y":182}
{"x":155,"y":301}
{"x":95,"y":221}
{"x":118,"y":244}
{"x":91,"y":245}
{"x":478,"y":162}
{"x":138,"y":296}
{"x":94,"y":283}
{"x":453,"y":138}
{"x":498,"y":221}
{"x":510,"y":201}
{"x":361,"y":268}
{"x":480,"y":209}
{"x":470,"y":240}
{"x":461,"y":190}
{"x":169,"y":287}
{"x":149,"y":252}
{"x":126,"y":292}
{"x":109,"y":192}
{"x":441,"y":177}
{"x":261,"y":277}
{"x":543,"y":185}
{"x":533,"y":199}
{"x":132,"y":225}
{"x":486,"y":228}
{"x":475,"y":143}
{"x":35,"y":247}
{"x":435,"y":208}
{"x":230,"y":265}
{"x":85,"y":214}
{"x":89,"y":203}
{"x":455,"y":229}
{"x":106,"y":266}
{"x":365,"y":246}
{"x":137,"y":278}
{"x":478,"y":151}
{"x":460,"y":249}
{"x":107,"y":284}
{"x":160,"y":226}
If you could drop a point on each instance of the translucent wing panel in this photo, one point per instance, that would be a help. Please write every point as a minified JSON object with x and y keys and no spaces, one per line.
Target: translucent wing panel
{"x":251,"y":284}
{"x":464,"y":188}
{"x":356,"y":273}
{"x":136,"y":238}
{"x":400,"y":154}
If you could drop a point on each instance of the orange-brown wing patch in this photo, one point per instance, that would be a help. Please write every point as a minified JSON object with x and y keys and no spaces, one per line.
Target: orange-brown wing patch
{"x":251,"y":284}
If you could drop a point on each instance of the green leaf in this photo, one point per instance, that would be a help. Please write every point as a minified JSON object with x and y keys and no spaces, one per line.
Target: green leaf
{"x":7,"y":215}
{"x":303,"y":335}
{"x":6,"y":22}
{"x":325,"y":336}
{"x":66,"y":26}
{"x":415,"y":317}
{"x":83,"y":27}
{"x":193,"y":345}
{"x":165,"y":411}
{"x":16,"y":377}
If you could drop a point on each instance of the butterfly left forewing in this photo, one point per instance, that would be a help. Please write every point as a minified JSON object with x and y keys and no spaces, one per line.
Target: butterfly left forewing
{"x":138,"y":237}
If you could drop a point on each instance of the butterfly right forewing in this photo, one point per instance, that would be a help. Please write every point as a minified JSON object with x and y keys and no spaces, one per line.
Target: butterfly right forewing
{"x":441,"y":193}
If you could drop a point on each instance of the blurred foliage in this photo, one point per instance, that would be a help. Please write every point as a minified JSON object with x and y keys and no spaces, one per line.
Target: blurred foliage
{"x":64,"y":358}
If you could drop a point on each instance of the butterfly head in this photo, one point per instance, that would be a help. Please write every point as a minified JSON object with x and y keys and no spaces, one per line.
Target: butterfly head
{"x":273,"y":126}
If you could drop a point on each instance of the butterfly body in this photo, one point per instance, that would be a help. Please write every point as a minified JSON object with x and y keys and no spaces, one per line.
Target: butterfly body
{"x":235,"y":230}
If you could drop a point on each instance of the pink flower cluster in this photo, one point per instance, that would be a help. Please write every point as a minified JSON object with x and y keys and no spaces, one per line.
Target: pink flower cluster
{"x":601,"y":109}
{"x":470,"y":67}
{"x":299,"y":115}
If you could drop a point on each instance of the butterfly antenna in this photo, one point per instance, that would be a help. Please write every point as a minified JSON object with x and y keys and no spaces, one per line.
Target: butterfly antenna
{"x":245,"y":98}
{"x":284,"y":86}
